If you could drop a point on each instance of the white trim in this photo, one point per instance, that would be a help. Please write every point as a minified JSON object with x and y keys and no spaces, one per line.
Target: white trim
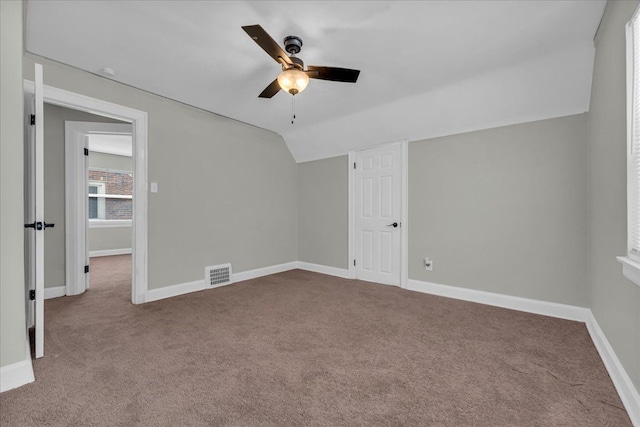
{"x":631,"y":175}
{"x":324,"y":269}
{"x":352,"y":214}
{"x":552,"y":309}
{"x":109,"y":252}
{"x":623,"y":384}
{"x":139,"y":119}
{"x":404,"y":211}
{"x":404,"y":224}
{"x":110,"y":223}
{"x":199,"y":285}
{"x":109,"y":196}
{"x":17,"y":374}
{"x":76,"y":209}
{"x":174,"y":290}
{"x":55,"y":292}
{"x":626,"y":390}
{"x":264,"y":271}
{"x":630,"y":269}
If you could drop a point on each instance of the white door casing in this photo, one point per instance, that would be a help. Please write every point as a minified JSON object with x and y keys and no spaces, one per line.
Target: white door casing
{"x":139,"y":120}
{"x":76,"y":201}
{"x":378,"y":214}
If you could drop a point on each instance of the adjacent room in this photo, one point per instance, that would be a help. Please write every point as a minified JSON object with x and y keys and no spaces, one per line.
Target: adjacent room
{"x":320,"y":213}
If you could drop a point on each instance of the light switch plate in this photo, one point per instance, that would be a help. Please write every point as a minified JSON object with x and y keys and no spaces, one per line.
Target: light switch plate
{"x":154,"y":187}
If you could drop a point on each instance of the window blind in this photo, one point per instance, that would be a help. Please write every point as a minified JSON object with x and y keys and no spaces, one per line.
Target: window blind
{"x":634,"y":155}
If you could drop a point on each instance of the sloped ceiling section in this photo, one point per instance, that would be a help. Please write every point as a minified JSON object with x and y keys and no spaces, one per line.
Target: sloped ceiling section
{"x":428,"y":68}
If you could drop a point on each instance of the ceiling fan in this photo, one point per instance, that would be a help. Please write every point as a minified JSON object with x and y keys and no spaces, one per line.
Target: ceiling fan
{"x":294,"y":78}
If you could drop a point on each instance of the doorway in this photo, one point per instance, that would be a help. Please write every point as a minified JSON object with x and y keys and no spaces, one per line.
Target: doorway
{"x":34,"y":115}
{"x":378,"y":217}
{"x":99,"y":197}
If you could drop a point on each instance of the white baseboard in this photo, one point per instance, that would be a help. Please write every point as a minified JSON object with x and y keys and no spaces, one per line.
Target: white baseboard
{"x":264,"y":271}
{"x":552,"y":309}
{"x":58,"y":291}
{"x":109,"y":252}
{"x":199,"y":285}
{"x":17,"y":374}
{"x":628,"y":393}
{"x":324,"y":269}
{"x":174,"y":290}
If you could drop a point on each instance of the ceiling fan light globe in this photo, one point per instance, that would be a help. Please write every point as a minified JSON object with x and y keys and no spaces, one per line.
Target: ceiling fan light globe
{"x":293,"y":81}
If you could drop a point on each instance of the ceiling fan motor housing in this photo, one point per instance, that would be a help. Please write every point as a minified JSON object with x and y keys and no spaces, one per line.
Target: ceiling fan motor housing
{"x":292,"y":44}
{"x":297,"y":63}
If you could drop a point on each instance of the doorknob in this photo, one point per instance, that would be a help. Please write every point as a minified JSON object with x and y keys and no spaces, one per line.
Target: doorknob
{"x":39,"y":225}
{"x":394,"y":225}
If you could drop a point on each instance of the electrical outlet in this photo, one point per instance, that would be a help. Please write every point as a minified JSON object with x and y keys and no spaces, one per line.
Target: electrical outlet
{"x":428,"y":264}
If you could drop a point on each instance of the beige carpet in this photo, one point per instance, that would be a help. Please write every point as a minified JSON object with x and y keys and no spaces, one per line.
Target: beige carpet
{"x":300,"y":348}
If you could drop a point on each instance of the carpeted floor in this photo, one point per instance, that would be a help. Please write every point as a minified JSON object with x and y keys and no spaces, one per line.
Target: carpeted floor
{"x":300,"y":348}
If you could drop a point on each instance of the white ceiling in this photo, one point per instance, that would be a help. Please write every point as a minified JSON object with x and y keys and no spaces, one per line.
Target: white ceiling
{"x":428,"y":68}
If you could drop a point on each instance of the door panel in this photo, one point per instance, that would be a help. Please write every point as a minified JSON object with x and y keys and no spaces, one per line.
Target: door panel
{"x":378,"y":206}
{"x":39,"y":211}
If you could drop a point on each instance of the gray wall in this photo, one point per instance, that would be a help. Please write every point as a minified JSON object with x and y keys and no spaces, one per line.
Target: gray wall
{"x":503,"y":210}
{"x":54,"y":197}
{"x":227,"y":191}
{"x":323,"y":212}
{"x":615,"y":300}
{"x":110,"y":161}
{"x":101,"y":239}
{"x":12,"y":290}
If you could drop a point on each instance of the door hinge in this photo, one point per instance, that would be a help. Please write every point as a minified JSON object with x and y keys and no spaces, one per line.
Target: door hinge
{"x":354,"y":165}
{"x":32,"y":294}
{"x":86,"y":151}
{"x":354,"y":262}
{"x":33,"y":119}
{"x":86,"y":268}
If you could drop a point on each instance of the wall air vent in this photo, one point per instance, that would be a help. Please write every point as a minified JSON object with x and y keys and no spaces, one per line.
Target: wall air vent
{"x":217,"y":275}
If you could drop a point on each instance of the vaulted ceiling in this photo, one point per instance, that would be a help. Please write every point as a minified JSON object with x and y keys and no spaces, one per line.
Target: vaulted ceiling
{"x":429,"y":68}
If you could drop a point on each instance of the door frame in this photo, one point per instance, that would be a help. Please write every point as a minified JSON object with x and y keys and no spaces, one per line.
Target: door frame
{"x":76,"y":210}
{"x":139,"y":120}
{"x":404,"y":209}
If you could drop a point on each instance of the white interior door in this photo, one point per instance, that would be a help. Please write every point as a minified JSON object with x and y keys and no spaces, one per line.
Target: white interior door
{"x":29,"y":206}
{"x":378,"y":214}
{"x":40,"y":225}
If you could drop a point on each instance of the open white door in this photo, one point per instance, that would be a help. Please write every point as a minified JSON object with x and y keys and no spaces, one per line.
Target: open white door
{"x":378,"y":214}
{"x":39,"y":225}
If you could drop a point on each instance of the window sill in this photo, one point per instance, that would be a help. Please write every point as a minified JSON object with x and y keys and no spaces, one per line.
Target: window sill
{"x":109,"y":223}
{"x":630,"y":269}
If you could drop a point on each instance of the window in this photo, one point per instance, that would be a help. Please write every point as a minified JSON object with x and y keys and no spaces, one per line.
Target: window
{"x":631,"y":262}
{"x":96,"y":203}
{"x":110,"y":197}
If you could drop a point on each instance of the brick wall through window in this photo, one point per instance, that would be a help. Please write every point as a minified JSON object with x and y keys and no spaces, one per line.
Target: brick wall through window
{"x":116,"y":183}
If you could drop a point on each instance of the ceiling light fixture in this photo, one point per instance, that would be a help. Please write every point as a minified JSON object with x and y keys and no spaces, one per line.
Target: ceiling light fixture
{"x":293,"y":81}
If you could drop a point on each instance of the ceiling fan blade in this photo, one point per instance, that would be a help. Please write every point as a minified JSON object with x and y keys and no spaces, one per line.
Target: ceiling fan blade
{"x":270,"y":90}
{"x":333,"y":73}
{"x":264,"y":40}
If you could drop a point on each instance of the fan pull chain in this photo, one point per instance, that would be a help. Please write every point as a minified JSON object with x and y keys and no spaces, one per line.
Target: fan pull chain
{"x":293,"y":108}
